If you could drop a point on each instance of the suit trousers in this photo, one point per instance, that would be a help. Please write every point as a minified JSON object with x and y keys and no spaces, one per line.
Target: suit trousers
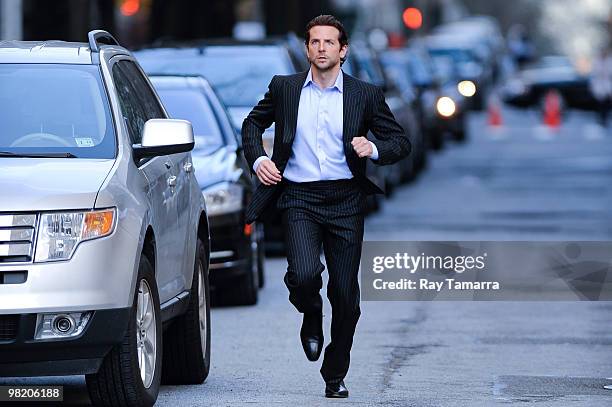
{"x":328,"y":214}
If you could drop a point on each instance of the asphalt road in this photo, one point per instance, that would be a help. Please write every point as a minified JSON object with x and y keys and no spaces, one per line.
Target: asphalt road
{"x":519,"y":182}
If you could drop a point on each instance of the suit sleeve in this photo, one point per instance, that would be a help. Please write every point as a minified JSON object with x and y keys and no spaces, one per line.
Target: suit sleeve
{"x":253,"y":127}
{"x":391,"y":140}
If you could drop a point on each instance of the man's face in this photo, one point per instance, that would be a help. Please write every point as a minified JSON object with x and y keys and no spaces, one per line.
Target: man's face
{"x":323,"y":49}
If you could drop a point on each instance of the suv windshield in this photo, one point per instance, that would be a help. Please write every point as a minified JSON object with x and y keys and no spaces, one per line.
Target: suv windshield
{"x":54,"y":110}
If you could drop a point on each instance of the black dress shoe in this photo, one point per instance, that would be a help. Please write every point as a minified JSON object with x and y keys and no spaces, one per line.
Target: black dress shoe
{"x":336,"y":390}
{"x":311,"y":335}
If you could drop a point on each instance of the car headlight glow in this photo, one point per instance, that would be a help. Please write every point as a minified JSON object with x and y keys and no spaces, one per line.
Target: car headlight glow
{"x":467,"y":88}
{"x":446,"y":106}
{"x":59,"y":233}
{"x":225,"y":197}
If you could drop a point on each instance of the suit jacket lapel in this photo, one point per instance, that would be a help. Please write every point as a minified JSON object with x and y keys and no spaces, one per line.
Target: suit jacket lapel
{"x":351,"y":103}
{"x":294,"y":90}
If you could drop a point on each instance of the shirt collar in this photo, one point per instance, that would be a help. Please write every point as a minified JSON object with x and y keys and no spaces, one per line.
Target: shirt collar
{"x":338,"y":84}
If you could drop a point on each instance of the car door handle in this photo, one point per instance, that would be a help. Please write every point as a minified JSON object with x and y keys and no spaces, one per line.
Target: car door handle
{"x":172,"y":181}
{"x":188,"y":167}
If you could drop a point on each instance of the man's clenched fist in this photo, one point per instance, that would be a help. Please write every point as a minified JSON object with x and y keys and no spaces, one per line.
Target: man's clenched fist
{"x":267,"y":172}
{"x":362,"y":147}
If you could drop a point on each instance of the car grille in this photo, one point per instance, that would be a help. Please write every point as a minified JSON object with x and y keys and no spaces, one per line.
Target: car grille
{"x":8,"y":327}
{"x":17,"y":233}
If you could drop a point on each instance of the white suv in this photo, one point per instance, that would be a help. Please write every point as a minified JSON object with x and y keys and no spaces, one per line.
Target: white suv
{"x":104,"y":242}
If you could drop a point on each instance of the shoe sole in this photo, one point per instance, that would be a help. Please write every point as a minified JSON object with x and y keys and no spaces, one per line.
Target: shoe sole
{"x":336,"y":396}
{"x":313,"y":360}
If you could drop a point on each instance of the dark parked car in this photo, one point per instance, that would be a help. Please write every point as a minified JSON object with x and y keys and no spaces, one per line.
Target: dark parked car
{"x":439,"y":81}
{"x":236,"y":254}
{"x":240,"y":71}
{"x":471,"y":62}
{"x":487,"y":38}
{"x":363,"y":63}
{"x":530,"y":86}
{"x":413,"y":79}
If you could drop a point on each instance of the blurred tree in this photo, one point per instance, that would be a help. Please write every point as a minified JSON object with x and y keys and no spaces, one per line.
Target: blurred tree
{"x":192,"y":19}
{"x":283,"y":16}
{"x":527,"y":13}
{"x":508,"y":13}
{"x":69,"y":20}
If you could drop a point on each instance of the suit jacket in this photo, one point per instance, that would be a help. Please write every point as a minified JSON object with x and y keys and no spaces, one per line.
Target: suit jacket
{"x":364,"y":109}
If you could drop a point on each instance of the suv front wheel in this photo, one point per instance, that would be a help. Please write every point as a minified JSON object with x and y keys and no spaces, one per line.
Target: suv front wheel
{"x":187,"y":340}
{"x":131,"y":372}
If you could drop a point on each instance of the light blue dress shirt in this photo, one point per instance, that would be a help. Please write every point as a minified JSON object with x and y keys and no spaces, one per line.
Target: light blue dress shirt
{"x":318,"y":151}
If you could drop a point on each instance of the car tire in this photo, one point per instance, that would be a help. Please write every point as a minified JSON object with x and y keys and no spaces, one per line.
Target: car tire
{"x":478,"y":102}
{"x":460,"y":134}
{"x":119,"y":380}
{"x":436,"y":138}
{"x":389,"y":188}
{"x":245,"y":289}
{"x":422,"y":164}
{"x":372,"y":203}
{"x":187,"y":339}
{"x":261,"y":256}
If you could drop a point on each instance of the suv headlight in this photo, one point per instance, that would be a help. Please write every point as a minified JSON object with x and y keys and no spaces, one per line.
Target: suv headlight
{"x":59,"y":233}
{"x":222,"y":198}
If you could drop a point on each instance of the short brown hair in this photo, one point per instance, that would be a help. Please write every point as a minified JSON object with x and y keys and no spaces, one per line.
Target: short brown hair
{"x":329,"y":20}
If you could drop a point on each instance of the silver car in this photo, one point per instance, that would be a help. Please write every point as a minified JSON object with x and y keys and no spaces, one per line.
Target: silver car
{"x":104,"y":239}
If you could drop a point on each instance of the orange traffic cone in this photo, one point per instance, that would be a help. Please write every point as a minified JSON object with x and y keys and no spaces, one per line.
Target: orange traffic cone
{"x":494,"y":111}
{"x":552,"y":109}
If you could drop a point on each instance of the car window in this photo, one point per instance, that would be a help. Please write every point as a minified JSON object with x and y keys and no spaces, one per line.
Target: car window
{"x":223,"y":117}
{"x":240,"y":75}
{"x":55,"y":108}
{"x":133,"y":114}
{"x":144,"y":93}
{"x":459,"y":56}
{"x":445,"y":68}
{"x":420,"y":70}
{"x":397,"y":69}
{"x":370,"y":69}
{"x":192,"y":105}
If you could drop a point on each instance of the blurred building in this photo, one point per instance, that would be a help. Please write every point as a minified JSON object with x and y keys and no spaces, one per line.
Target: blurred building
{"x":11,"y":24}
{"x":139,"y":22}
{"x":60,"y":19}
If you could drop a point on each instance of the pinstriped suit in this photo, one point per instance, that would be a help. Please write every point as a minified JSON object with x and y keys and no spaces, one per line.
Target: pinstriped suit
{"x":323,"y":213}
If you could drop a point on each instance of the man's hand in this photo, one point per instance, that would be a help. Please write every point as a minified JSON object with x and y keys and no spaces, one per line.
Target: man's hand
{"x":362,"y":147}
{"x":267,"y":172}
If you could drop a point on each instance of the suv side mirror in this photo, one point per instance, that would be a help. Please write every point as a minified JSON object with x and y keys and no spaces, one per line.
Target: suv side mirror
{"x":164,"y":137}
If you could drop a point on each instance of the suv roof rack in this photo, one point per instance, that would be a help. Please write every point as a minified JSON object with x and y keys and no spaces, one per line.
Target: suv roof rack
{"x":100,"y":37}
